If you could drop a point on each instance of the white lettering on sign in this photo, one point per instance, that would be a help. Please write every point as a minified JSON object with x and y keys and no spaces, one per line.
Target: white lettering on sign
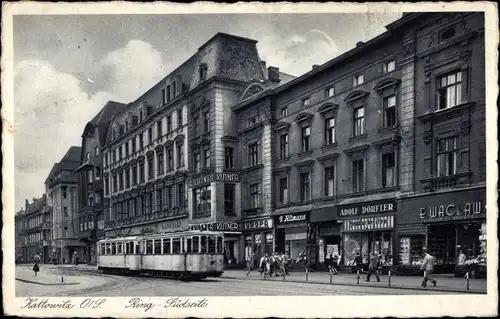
{"x":368,"y":209}
{"x":214,"y":177}
{"x":257,"y":224}
{"x":292,"y":218}
{"x":369,"y":223}
{"x":469,"y":209}
{"x":170,"y":225}
{"x":216,"y":226}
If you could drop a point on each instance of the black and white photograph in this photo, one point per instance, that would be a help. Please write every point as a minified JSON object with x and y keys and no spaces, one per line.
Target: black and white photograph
{"x":166,"y":159}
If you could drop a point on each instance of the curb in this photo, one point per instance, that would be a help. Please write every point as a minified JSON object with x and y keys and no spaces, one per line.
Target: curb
{"x":43,"y":284}
{"x":369,"y":286}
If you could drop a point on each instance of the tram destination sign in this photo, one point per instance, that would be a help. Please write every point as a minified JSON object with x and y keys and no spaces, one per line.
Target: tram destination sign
{"x":213,"y":177}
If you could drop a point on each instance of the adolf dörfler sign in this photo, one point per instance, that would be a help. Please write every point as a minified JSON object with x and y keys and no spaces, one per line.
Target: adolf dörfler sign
{"x":376,"y":207}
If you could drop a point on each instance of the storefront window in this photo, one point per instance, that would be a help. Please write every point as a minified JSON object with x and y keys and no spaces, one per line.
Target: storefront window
{"x":411,"y":249}
{"x":441,"y":242}
{"x":379,"y":242}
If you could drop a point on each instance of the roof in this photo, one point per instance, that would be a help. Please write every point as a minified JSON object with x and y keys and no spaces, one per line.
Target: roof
{"x":70,"y":161}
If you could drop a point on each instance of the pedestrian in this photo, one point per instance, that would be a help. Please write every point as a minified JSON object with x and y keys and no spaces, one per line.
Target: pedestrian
{"x":329,"y":264}
{"x":358,"y":262}
{"x":373,"y":266}
{"x":286,"y":262}
{"x":264,"y":260}
{"x":36,"y":268}
{"x":250,"y":262}
{"x":428,"y":268}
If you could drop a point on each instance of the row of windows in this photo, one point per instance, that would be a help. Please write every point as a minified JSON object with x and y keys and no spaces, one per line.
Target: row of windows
{"x":163,"y":199}
{"x":198,"y":129}
{"x":202,"y":199}
{"x":125,"y":178}
{"x":96,"y":153}
{"x":137,"y":143}
{"x":358,"y":79}
{"x":164,"y":246}
{"x":87,"y":223}
{"x":329,"y":179}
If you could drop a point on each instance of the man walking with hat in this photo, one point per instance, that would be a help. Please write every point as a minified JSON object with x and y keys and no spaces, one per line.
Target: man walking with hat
{"x":428,"y":268}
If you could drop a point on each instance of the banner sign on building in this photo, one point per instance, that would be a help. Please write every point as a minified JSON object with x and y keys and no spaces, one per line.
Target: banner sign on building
{"x":378,"y":207}
{"x":369,"y":223}
{"x":213,"y":177}
{"x":293,"y":218}
{"x":257,"y":224}
{"x":468,"y":209}
{"x":215,"y":226}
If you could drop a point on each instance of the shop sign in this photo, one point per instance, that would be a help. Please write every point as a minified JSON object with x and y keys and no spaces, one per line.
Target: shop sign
{"x":293,"y":218}
{"x":170,"y":225}
{"x":452,"y":210}
{"x":215,"y":226}
{"x":147,"y":230}
{"x":214,"y":177}
{"x":257,"y":224}
{"x":379,"y":207}
{"x":369,"y":223}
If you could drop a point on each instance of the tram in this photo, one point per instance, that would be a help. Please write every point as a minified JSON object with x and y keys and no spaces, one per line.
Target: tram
{"x":187,"y":255}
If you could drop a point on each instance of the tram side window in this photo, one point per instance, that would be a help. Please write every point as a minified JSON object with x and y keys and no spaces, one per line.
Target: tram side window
{"x":119,"y":248}
{"x":189,"y":241}
{"x":108,"y":248}
{"x":166,"y":245}
{"x":196,"y":244}
{"x":176,"y":246}
{"x":129,"y":248}
{"x":157,"y":246}
{"x":137,"y":248}
{"x":203,"y":244}
{"x":211,"y":244}
{"x":102,"y":249}
{"x":113,"y":248}
{"x":149,"y":247}
{"x":220,"y":240}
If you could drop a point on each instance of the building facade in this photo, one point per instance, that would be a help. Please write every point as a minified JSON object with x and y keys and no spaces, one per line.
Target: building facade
{"x":33,"y":231}
{"x":62,"y":197}
{"x":90,"y":180}
{"x":164,"y":158}
{"x":447,"y":211}
{"x":357,"y":130}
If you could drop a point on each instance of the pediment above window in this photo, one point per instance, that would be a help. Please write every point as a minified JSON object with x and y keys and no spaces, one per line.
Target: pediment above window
{"x":150,"y":153}
{"x":159,"y":148}
{"x":328,"y":157}
{"x":386,"y":83}
{"x":305,"y":163}
{"x":169,"y":143}
{"x":327,"y":107}
{"x":357,"y":150}
{"x":252,"y":90}
{"x":385,"y":143}
{"x":303,"y":117}
{"x":204,"y":140}
{"x":179,"y":138}
{"x":280,"y":126}
{"x":355,"y":95}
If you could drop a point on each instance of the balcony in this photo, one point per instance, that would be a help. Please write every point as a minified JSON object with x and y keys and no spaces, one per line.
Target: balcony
{"x":452,"y":181}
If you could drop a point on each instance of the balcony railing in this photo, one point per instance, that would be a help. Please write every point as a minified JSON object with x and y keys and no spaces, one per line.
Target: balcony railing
{"x":451,"y":181}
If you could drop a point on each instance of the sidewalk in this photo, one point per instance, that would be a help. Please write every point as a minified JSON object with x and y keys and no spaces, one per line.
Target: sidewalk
{"x":47,"y":277}
{"x":444,"y":282}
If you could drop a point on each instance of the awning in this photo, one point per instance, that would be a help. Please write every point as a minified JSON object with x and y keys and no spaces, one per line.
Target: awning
{"x":293,"y":209}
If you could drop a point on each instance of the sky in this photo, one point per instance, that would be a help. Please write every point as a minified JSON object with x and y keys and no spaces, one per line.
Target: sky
{"x":67,"y":66}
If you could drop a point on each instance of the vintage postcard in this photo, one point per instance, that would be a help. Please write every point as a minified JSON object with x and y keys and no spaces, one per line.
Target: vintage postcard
{"x":249,"y":160}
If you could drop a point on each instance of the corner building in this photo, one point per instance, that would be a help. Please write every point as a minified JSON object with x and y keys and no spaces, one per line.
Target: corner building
{"x":62,"y":197}
{"x":166,"y":154}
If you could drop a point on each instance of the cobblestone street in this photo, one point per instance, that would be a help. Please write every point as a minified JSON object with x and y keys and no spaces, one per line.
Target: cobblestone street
{"x":86,"y":281}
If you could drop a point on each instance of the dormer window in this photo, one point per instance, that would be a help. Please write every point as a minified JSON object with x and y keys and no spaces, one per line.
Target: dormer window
{"x":203,"y":72}
{"x":329,"y":92}
{"x":126,"y":125}
{"x":389,"y":66}
{"x":306,"y":102}
{"x":168,"y":93}
{"x":358,"y":79}
{"x":174,"y":89}
{"x":141,"y":116}
{"x":163,"y":98}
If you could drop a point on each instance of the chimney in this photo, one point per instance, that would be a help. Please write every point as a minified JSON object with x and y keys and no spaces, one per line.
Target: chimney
{"x":273,"y":74}
{"x":26,"y":203}
{"x":315,"y":66}
{"x":359,"y":43}
{"x":264,"y":69}
{"x":263,"y":63}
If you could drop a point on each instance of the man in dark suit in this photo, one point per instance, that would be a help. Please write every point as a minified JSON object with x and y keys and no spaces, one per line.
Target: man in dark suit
{"x":373,"y":267}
